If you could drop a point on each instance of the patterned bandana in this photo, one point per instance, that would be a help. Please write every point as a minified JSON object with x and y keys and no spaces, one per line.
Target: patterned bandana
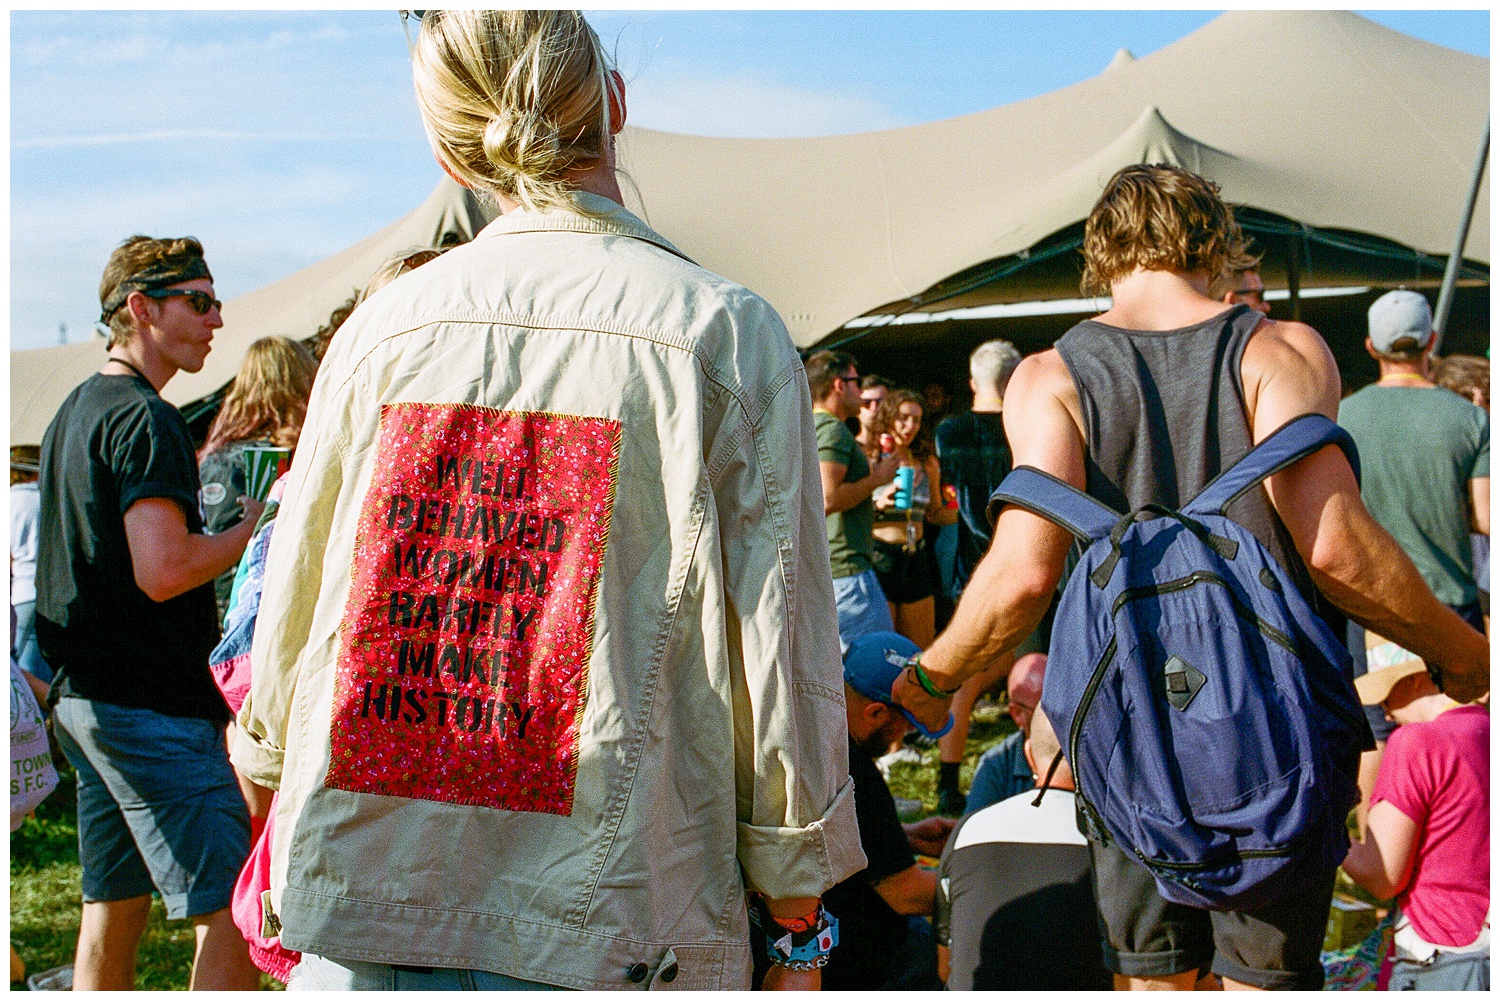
{"x":154,"y":277}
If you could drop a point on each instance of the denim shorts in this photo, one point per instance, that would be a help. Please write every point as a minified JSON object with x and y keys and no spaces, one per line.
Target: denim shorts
{"x":158,"y":806}
{"x":862,"y":607}
{"x":320,"y":973}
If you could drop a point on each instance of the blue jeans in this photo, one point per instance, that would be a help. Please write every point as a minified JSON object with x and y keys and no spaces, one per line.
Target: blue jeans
{"x":862,"y":607}
{"x":25,"y":649}
{"x":320,"y":973}
{"x":158,"y":806}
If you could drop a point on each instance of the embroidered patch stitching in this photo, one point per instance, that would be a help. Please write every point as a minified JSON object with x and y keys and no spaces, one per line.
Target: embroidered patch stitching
{"x":463,"y":664}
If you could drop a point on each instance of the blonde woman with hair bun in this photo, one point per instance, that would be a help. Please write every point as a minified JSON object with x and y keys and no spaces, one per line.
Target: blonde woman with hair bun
{"x":547,"y":664}
{"x":533,"y":133}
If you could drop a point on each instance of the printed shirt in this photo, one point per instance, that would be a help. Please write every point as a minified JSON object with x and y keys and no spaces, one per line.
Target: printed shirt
{"x":548,"y":649}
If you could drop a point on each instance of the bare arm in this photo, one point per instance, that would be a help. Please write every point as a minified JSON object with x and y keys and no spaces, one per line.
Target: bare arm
{"x":1288,"y":371}
{"x":1381,"y":863}
{"x":839,"y":496}
{"x":930,"y":836}
{"x":168,"y":560}
{"x":39,"y":688}
{"x":1479,"y":504}
{"x":1013,"y":584}
{"x":910,"y":891}
{"x":937,"y":512}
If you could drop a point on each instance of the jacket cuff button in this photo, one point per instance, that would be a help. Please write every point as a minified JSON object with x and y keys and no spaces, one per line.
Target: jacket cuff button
{"x":638,"y":973}
{"x":669,"y":974}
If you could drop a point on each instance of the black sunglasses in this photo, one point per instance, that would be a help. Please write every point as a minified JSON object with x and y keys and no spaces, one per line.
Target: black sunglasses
{"x":200,"y":302}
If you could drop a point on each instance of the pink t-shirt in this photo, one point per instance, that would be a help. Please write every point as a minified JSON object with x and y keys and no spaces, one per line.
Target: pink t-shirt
{"x":1438,"y":774}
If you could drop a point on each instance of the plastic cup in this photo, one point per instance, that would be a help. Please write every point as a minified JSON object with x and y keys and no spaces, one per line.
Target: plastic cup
{"x":263,"y":463}
{"x":904,"y":479}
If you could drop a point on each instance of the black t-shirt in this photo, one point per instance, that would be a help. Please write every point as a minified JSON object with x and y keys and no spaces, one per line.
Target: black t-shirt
{"x":113,"y":442}
{"x":870,"y":932}
{"x":1015,"y":901}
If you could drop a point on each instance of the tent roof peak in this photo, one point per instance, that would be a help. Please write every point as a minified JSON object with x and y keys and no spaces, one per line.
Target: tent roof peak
{"x":1122,"y":57}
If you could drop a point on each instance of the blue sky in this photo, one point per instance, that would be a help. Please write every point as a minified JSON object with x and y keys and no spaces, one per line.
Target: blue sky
{"x":279,"y":138}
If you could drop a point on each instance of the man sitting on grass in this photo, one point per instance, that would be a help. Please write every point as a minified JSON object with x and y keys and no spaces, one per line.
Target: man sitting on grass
{"x":1015,"y":904}
{"x":882,"y":944}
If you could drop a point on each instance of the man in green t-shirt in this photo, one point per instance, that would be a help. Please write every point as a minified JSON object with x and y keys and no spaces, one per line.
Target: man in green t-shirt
{"x":1425,"y":470}
{"x":848,"y":481}
{"x":1424,"y":453}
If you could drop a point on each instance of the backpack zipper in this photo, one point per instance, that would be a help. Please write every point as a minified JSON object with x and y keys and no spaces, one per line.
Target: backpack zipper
{"x":1073,"y":731}
{"x":1239,"y":853}
{"x":1278,"y":637}
{"x":1243,"y":611}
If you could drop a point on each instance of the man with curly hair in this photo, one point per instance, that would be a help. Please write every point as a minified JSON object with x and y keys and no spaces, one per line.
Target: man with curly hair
{"x":1147,"y":403}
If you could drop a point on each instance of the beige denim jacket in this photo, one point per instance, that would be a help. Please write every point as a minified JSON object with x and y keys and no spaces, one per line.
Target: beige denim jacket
{"x":548,"y":652}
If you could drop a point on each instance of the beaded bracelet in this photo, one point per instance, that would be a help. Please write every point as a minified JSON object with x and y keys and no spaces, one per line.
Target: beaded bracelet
{"x":801,"y":950}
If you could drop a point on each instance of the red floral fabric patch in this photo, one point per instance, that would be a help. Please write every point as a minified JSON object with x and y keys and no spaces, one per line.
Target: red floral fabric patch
{"x":463,"y":660}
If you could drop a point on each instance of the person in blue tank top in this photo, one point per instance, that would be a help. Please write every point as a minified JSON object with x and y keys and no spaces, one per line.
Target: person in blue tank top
{"x":1147,"y":403}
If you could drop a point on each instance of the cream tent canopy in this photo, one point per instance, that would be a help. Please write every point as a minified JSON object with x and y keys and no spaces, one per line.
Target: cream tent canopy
{"x":295,"y":306}
{"x":1320,"y":117}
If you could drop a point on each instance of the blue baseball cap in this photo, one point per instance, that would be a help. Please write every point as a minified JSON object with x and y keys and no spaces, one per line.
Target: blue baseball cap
{"x":872,"y":665}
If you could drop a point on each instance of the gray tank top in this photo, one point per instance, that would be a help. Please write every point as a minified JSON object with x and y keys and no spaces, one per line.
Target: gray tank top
{"x":1165,"y":413}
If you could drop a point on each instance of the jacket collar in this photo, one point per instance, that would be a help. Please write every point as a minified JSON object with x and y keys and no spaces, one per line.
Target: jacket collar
{"x":609,"y":218}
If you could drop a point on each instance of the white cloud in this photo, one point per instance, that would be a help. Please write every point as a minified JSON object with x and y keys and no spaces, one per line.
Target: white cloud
{"x":749,"y":105}
{"x":256,"y":227}
{"x":167,"y":135}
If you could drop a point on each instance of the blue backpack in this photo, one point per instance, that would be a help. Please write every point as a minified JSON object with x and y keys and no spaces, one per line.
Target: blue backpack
{"x":1206,"y":710}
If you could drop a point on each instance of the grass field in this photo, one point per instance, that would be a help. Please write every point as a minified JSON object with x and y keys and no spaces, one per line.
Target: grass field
{"x":44,"y":872}
{"x":45,"y":896}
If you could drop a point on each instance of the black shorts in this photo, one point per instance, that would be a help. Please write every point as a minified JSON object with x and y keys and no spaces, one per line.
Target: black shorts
{"x":903,"y":576}
{"x":1274,"y":947}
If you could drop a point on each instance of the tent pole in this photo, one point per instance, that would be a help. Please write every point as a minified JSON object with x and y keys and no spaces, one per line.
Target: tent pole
{"x":1450,"y":274}
{"x":1293,"y":275}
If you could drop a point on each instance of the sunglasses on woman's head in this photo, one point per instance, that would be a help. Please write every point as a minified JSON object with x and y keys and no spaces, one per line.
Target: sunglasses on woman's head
{"x":200,"y":302}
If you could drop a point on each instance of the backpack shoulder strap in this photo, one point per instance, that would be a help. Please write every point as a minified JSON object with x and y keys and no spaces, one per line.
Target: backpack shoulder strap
{"x":1061,"y":503}
{"x":1294,"y":440}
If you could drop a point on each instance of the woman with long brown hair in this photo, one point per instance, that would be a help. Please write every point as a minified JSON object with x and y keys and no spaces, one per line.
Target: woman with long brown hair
{"x":265,"y":407}
{"x":900,"y":557}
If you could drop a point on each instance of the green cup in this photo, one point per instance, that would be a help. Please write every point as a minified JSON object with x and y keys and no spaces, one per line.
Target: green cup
{"x":263,"y":463}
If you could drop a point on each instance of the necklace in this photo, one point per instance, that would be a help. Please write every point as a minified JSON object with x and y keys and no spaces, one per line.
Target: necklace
{"x":122,"y":361}
{"x":1405,"y":378}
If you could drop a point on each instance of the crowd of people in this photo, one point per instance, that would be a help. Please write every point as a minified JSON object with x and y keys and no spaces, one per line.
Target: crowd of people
{"x":543,"y":620}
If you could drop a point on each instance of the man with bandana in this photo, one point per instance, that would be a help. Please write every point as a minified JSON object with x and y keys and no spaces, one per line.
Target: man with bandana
{"x":126,"y":618}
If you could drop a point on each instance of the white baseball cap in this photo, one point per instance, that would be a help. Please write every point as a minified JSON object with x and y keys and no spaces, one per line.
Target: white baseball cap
{"x":1398,"y":315}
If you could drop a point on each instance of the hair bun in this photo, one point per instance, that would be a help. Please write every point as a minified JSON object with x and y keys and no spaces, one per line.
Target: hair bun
{"x":525,"y":143}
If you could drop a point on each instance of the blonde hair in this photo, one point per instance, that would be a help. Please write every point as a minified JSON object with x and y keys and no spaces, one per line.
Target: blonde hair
{"x":395,"y":267}
{"x":268,"y":398}
{"x":993,"y":363}
{"x":136,"y":255}
{"x":1159,"y":218}
{"x":514,"y":100}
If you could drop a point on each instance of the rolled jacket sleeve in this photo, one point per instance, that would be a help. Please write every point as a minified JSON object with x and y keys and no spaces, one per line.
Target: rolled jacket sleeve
{"x":797,"y":834}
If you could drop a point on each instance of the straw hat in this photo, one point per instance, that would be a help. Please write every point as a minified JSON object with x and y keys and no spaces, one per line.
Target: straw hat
{"x":1375,"y":687}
